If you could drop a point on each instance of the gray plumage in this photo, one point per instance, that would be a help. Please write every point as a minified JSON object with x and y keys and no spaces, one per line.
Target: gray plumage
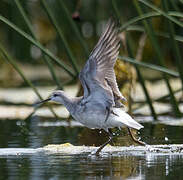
{"x":99,"y":107}
{"x":98,"y":71}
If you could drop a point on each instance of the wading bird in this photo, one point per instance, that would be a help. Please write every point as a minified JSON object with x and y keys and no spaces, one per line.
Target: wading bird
{"x":100,"y":106}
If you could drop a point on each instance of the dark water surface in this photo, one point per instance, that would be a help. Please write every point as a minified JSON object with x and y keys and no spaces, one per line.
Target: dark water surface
{"x":35,"y":133}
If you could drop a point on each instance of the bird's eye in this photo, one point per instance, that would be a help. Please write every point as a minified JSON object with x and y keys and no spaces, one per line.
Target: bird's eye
{"x":55,"y":95}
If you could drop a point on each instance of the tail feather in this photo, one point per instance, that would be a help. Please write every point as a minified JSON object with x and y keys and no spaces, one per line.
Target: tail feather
{"x":127,"y":120}
{"x":133,"y":124}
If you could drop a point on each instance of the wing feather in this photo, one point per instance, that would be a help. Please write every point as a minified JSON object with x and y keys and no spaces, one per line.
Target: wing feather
{"x":99,"y":69}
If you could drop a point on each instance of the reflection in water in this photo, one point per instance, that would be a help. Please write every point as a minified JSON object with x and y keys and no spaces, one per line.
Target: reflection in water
{"x":90,"y":137}
{"x":41,"y":166}
{"x":86,"y":167}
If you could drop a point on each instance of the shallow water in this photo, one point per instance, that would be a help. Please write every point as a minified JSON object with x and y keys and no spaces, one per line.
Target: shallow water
{"x":36,"y":133}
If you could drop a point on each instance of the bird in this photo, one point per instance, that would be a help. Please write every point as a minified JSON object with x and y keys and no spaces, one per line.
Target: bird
{"x":100,"y":107}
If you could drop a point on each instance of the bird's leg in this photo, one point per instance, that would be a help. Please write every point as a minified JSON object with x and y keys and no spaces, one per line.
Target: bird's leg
{"x":134,"y":138}
{"x":103,"y":145}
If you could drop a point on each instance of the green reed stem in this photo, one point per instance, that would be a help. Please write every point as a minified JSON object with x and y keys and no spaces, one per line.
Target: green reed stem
{"x":142,"y":82}
{"x":150,"y":5}
{"x":157,"y":33}
{"x":74,"y":27}
{"x":174,"y":44}
{"x":156,"y":47}
{"x":10,"y":60}
{"x":166,"y":96}
{"x":61,"y":35}
{"x":147,"y":16}
{"x":37,"y":44}
{"x":115,"y":8}
{"x":46,"y":58}
{"x":140,"y":77}
{"x":150,"y":66}
{"x":160,"y":99}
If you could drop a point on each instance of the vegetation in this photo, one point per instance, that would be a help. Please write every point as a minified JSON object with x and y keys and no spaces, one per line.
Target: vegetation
{"x":65,"y":31}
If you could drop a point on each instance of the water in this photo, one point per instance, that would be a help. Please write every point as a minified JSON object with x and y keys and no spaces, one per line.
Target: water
{"x":36,"y":133}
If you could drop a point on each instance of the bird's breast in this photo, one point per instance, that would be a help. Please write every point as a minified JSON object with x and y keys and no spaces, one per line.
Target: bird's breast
{"x":90,"y":117}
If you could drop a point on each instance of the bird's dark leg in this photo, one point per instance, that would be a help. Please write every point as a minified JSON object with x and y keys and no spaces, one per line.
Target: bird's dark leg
{"x":103,"y":145}
{"x":134,"y":139}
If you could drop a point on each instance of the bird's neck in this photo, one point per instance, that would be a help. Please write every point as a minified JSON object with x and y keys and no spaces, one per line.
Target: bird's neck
{"x":68,"y":103}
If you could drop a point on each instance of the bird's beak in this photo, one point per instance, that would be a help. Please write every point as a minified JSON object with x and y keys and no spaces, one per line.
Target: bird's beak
{"x":43,"y":101}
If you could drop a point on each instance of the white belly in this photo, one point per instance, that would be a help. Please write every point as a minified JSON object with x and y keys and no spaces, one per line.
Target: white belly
{"x":96,"y":119}
{"x":91,"y":120}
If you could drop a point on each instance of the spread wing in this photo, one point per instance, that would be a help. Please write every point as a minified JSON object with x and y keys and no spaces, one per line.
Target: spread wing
{"x":99,"y":69}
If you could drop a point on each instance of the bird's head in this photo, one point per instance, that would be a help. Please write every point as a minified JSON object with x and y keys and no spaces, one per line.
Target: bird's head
{"x":56,"y":96}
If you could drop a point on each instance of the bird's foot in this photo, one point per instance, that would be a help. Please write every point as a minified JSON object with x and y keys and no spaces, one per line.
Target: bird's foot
{"x":135,"y":139}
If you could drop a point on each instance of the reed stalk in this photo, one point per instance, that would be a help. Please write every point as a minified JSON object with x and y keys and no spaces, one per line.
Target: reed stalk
{"x":61,"y":35}
{"x":156,"y":47}
{"x":10,"y":60}
{"x":37,"y":44}
{"x":140,"y":77}
{"x":46,"y":58}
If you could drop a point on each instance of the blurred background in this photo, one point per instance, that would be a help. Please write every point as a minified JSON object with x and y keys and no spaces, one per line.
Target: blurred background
{"x":43,"y":46}
{"x":46,"y":43}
